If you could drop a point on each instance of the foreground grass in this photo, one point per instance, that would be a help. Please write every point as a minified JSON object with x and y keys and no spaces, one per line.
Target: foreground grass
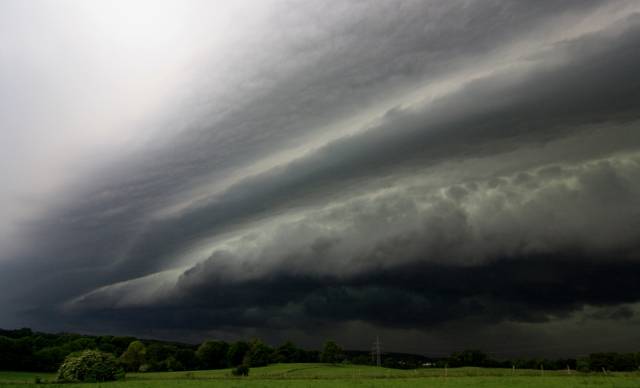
{"x":320,"y":375}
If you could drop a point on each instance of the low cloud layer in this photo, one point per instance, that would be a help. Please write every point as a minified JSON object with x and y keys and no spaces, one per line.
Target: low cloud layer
{"x":373,"y":170}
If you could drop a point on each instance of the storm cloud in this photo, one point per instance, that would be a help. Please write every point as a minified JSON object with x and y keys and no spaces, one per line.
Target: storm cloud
{"x":408,"y":168}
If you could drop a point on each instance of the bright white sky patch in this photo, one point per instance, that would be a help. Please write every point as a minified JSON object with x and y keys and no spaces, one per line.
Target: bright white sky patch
{"x":84,"y":82}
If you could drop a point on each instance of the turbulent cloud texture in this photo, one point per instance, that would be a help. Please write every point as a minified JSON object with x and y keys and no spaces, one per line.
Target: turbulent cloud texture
{"x":415,"y":169}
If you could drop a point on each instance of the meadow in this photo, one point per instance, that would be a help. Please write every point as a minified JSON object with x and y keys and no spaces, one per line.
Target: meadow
{"x":321,"y":375}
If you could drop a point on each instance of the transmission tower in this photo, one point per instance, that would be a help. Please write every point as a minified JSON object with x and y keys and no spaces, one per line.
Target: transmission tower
{"x":376,"y":352}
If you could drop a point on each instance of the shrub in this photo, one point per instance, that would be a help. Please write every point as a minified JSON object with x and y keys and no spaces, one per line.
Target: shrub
{"x":90,"y":366}
{"x":240,"y":370}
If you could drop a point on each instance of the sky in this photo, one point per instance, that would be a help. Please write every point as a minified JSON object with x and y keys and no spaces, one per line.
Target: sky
{"x":442,"y":174}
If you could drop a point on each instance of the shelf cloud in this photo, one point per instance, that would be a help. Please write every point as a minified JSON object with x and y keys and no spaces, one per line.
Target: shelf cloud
{"x":408,"y":168}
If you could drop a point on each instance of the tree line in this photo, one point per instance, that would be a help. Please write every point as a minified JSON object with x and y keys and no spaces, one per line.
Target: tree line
{"x":26,"y":350}
{"x":594,"y":362}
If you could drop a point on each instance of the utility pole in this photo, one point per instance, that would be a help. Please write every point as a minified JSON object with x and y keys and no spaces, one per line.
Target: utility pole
{"x":377,"y":351}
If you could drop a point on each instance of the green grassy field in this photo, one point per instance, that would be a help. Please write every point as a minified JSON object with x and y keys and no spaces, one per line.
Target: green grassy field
{"x":319,"y":375}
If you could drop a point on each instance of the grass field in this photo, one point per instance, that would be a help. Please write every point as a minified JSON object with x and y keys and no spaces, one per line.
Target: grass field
{"x":319,"y":375}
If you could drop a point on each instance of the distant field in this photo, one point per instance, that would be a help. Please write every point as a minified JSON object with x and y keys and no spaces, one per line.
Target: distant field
{"x":319,"y":375}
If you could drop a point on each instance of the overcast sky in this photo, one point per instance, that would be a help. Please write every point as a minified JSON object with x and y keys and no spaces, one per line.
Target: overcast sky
{"x":442,"y":174}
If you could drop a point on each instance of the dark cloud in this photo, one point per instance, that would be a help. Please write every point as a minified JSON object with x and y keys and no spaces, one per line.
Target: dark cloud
{"x":408,"y":166}
{"x":408,"y":138}
{"x":544,"y":255}
{"x":535,"y":290}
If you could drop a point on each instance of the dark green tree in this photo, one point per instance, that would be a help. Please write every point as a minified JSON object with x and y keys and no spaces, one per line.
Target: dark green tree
{"x":331,"y":353}
{"x":49,"y":359}
{"x":82,"y":343}
{"x":289,"y":352}
{"x":236,"y":353}
{"x":187,"y":357}
{"x":259,"y":354}
{"x":468,"y":358}
{"x":213,"y":354}
{"x":171,"y":364}
{"x":16,"y":353}
{"x":121,"y":343}
{"x":134,"y":357}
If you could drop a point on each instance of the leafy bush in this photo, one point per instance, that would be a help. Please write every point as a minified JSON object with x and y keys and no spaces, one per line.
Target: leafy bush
{"x":240,"y":370}
{"x":90,"y":366}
